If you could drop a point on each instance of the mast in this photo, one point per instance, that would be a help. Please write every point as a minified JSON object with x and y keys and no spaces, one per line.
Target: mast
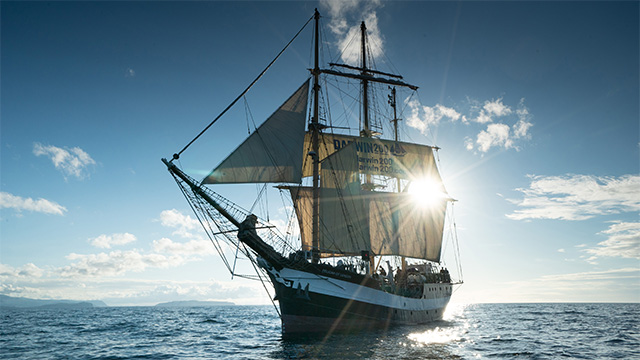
{"x":392,"y":102}
{"x":366,"y":132}
{"x":315,"y":146}
{"x":365,"y":75}
{"x":365,"y":84}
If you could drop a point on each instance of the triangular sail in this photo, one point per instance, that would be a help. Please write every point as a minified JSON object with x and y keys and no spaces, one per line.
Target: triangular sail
{"x":272,"y":152}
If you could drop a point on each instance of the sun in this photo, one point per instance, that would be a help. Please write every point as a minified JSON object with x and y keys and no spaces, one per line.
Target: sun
{"x":426,"y":192}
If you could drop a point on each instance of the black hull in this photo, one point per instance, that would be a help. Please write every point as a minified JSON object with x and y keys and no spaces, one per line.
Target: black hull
{"x":313,"y":304}
{"x":314,"y":312}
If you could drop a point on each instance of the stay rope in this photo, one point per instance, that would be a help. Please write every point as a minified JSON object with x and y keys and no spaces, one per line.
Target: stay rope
{"x":177,"y":155}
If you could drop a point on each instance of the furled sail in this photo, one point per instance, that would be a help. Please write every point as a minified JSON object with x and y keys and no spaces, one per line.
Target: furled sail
{"x":353,"y":219}
{"x":272,"y":152}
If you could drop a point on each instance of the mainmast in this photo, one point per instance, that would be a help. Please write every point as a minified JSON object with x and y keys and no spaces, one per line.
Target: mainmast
{"x":392,"y":102}
{"x":315,"y":146}
{"x":365,"y":84}
{"x":365,"y":75}
{"x":366,"y":131}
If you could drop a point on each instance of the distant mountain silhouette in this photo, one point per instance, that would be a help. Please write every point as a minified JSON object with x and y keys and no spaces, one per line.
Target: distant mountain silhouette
{"x":20,"y":302}
{"x":195,"y":303}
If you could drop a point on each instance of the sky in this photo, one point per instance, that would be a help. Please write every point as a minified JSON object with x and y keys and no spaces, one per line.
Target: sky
{"x":535,"y":106}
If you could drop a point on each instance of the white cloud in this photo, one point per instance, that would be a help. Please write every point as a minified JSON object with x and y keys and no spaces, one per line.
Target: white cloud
{"x":521,"y":128}
{"x":450,"y":113}
{"x":174,"y":218}
{"x":577,"y":197}
{"x":116,"y":263}
{"x":483,"y":118}
{"x":514,"y":125}
{"x":40,"y":205}
{"x":623,"y":241}
{"x":183,"y":223}
{"x":71,"y":162}
{"x":129,"y":290}
{"x":501,"y":135}
{"x":613,"y":285}
{"x":613,"y":274}
{"x":166,"y":253}
{"x":468,"y":143}
{"x":29,"y":270}
{"x":193,"y":247}
{"x":490,"y":109}
{"x":495,"y":135}
{"x":343,"y":12}
{"x":6,"y":270}
{"x":496,"y":107}
{"x":422,"y":117}
{"x":106,"y":241}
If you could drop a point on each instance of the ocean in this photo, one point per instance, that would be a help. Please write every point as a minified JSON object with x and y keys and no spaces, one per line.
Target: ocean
{"x":477,"y":331}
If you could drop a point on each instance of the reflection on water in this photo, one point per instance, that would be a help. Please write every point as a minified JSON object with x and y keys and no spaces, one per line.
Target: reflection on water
{"x":437,"y":340}
{"x":451,"y":329}
{"x":440,"y":339}
{"x":436,"y":336}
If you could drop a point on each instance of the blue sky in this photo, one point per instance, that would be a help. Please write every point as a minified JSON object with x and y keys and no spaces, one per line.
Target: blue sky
{"x":534,"y":104}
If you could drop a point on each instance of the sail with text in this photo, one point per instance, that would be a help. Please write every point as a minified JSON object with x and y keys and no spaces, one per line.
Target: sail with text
{"x":379,"y":156}
{"x":353,"y":219}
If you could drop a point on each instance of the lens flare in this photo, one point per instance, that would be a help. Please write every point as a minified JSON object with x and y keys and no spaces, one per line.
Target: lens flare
{"x":426,"y":192}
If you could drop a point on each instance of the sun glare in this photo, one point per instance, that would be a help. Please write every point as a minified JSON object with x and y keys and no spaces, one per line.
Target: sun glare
{"x":426,"y":192}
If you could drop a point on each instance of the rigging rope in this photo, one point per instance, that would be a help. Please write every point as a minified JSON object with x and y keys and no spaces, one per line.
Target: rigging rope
{"x":177,"y":155}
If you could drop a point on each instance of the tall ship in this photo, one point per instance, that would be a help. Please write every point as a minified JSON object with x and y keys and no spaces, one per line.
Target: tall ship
{"x":369,"y":211}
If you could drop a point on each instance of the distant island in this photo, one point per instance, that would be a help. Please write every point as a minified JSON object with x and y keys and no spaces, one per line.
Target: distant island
{"x":195,"y":303}
{"x":20,"y":302}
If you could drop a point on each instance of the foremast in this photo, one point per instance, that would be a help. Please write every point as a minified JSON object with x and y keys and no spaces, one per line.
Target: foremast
{"x":315,"y":144}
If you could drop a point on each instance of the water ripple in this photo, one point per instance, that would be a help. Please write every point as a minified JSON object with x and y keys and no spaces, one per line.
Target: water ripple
{"x":502,"y":331}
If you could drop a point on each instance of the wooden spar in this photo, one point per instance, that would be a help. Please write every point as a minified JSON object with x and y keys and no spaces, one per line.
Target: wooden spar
{"x":369,"y":78}
{"x":174,"y":169}
{"x":315,"y":146}
{"x":365,"y":85}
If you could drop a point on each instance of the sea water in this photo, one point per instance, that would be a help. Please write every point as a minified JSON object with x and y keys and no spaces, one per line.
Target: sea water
{"x":495,"y":331}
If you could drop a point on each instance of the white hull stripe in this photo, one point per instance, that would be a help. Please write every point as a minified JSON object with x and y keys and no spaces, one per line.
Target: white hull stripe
{"x":346,"y":290}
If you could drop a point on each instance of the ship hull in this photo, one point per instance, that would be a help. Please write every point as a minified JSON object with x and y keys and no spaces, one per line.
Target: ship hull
{"x":312,"y":302}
